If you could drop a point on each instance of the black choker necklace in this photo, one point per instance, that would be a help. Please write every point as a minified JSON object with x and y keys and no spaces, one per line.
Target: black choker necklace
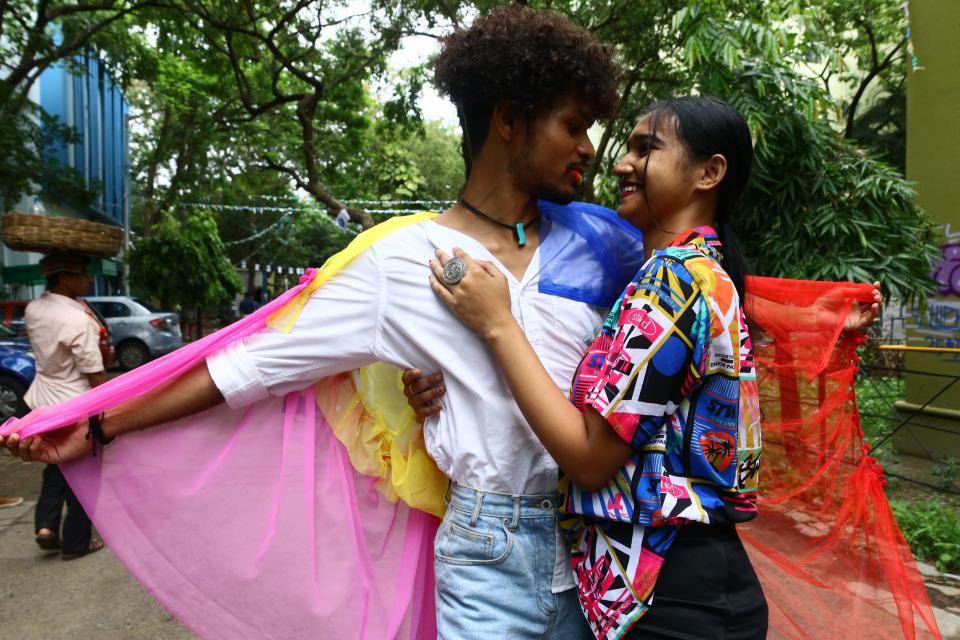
{"x":519,"y":228}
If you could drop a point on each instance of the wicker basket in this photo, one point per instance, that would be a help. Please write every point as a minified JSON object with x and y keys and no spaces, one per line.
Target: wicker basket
{"x":46,"y":234}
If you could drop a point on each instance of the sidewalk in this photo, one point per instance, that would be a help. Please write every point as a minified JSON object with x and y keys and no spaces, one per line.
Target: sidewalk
{"x":44,"y":598}
{"x":945,"y":596}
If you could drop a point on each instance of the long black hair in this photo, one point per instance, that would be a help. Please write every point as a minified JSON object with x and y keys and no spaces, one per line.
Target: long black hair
{"x":707,"y":126}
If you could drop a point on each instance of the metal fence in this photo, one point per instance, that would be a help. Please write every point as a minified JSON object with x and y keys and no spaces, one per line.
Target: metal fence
{"x":891,"y":425}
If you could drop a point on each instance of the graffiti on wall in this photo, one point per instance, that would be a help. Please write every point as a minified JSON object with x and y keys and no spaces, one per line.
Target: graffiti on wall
{"x":938,"y":324}
{"x":946,"y":269}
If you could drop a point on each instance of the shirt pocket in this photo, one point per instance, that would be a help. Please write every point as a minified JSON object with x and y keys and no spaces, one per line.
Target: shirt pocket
{"x":575,"y":322}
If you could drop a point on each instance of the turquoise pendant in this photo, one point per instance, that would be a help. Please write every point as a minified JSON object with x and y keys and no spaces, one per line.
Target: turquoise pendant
{"x":521,"y":235}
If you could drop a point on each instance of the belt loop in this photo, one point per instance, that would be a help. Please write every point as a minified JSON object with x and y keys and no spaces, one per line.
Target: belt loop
{"x":478,"y":502}
{"x":516,"y":513}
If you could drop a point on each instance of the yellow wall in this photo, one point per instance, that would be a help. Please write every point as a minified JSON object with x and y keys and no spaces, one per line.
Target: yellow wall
{"x":933,"y":162}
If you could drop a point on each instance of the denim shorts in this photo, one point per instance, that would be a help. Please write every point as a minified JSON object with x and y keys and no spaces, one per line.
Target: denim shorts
{"x":494,"y":562}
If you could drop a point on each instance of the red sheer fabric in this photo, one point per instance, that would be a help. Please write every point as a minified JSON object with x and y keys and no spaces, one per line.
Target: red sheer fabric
{"x":831,"y":558}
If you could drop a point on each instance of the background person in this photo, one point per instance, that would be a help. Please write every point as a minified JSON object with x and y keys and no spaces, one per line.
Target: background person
{"x":66,"y":343}
{"x":248,"y":305}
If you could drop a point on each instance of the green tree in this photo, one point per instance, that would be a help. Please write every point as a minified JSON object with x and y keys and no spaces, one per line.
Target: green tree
{"x":35,"y":35}
{"x":276,"y":92}
{"x":436,"y":155}
{"x":860,"y":54}
{"x":183,"y":264}
{"x":301,"y":70}
{"x":819,"y":206}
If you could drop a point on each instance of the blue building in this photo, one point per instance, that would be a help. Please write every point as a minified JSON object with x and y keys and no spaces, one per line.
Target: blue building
{"x":87,"y":98}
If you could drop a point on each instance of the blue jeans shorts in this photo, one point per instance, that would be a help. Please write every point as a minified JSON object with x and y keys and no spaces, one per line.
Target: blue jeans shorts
{"x":494,"y":558}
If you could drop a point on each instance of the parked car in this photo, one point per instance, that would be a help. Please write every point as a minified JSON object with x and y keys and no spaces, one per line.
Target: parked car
{"x":140,"y":332}
{"x":17,"y":369}
{"x":11,"y":315}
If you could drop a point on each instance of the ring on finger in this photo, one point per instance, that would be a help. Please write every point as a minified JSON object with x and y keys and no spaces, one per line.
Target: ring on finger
{"x":454,"y":271}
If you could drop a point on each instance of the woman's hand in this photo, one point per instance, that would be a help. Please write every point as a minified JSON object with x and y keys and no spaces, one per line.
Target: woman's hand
{"x":863,"y":314}
{"x":52,"y":447}
{"x":423,"y":392}
{"x":481,"y":299}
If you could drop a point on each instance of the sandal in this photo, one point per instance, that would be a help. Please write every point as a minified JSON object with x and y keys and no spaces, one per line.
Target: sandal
{"x":95,"y":545}
{"x":48,"y":541}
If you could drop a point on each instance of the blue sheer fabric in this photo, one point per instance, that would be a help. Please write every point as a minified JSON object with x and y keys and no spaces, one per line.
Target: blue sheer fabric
{"x":587,"y":253}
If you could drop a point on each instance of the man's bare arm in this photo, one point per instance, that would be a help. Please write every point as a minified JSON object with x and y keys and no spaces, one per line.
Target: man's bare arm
{"x":190,"y":393}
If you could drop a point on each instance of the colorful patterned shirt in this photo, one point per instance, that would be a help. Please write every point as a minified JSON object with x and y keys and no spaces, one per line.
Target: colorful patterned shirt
{"x":672,"y":372}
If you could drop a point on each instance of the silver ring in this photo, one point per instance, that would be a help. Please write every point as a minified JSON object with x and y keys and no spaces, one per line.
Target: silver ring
{"x":454,"y":271}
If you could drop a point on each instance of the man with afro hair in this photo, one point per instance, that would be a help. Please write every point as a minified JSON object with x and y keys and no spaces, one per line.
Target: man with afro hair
{"x":530,"y":59}
{"x":528,"y":85}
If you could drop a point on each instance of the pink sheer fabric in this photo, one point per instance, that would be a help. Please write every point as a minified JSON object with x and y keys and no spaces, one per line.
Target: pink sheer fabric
{"x":252,"y":524}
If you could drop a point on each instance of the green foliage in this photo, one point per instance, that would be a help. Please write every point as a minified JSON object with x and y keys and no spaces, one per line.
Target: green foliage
{"x":946,"y":472}
{"x":421,"y":161}
{"x":317,"y":238}
{"x":876,"y":396}
{"x":35,"y":36}
{"x":182,"y":263}
{"x":437,"y":156}
{"x":858,"y":52}
{"x":933,"y":531}
{"x":24,"y":168}
{"x":302,"y":238}
{"x":818,"y":206}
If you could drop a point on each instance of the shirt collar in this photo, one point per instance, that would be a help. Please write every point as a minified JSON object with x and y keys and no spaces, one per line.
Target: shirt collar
{"x":62,"y":299}
{"x":703,"y":239}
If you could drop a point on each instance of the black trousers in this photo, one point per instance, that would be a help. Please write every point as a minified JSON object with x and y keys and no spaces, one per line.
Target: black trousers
{"x":54,"y":491}
{"x":707,"y":590}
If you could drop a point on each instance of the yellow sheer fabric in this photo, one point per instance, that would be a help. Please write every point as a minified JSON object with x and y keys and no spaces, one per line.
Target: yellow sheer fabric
{"x":367,"y":409}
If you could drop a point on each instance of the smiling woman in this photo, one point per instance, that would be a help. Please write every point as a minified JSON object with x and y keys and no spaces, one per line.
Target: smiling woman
{"x":679,"y":151}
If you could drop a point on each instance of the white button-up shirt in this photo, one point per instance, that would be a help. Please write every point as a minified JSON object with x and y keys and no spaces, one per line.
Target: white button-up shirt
{"x":381,"y":308}
{"x":66,"y":343}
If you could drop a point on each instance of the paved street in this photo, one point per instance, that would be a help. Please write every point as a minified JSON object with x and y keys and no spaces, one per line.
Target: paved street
{"x":44,"y":598}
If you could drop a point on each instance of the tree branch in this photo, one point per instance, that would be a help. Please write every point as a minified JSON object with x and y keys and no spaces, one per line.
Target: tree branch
{"x":874,"y":72}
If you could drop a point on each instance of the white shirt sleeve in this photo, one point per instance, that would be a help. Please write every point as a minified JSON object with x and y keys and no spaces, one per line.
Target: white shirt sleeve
{"x":337,"y":330}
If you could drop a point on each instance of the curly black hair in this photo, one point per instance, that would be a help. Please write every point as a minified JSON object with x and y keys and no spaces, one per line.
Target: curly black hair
{"x":528,"y":56}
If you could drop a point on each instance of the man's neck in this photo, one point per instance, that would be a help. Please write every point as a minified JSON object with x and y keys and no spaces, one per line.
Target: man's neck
{"x":502,"y":202}
{"x":61,"y":292}
{"x":494,"y":194}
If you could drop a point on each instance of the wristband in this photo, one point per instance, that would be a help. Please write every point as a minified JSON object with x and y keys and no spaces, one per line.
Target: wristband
{"x":95,"y":433}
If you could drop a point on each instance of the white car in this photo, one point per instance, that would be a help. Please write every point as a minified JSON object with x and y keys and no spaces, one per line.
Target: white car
{"x":140,"y":332}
